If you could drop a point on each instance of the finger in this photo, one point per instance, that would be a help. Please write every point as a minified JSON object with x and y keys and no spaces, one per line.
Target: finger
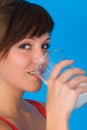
{"x":75,"y":82}
{"x":81,"y":90}
{"x":58,"y":67}
{"x":69,"y":73}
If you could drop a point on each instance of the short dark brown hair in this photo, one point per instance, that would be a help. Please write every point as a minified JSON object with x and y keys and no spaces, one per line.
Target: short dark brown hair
{"x":21,"y":19}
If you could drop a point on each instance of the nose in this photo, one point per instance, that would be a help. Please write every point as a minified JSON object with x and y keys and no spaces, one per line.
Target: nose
{"x":41,"y":60}
{"x":38,"y":56}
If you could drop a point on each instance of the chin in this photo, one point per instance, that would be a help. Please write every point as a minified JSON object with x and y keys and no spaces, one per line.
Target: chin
{"x":34,"y":87}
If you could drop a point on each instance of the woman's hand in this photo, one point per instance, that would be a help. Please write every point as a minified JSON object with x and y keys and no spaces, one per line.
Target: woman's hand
{"x":63,"y":94}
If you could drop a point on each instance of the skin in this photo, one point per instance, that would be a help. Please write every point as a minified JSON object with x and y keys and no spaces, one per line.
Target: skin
{"x":14,"y":81}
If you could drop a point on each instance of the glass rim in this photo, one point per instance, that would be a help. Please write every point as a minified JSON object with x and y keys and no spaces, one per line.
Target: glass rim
{"x":53,"y":50}
{"x":57,"y":49}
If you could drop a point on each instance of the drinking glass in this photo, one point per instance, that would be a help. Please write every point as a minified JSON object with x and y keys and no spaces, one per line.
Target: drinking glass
{"x":46,"y":64}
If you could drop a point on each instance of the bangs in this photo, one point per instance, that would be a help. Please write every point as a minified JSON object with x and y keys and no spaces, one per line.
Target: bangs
{"x":41,"y":21}
{"x":28,"y":19}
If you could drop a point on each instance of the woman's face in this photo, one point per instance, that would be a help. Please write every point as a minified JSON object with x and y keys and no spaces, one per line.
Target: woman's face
{"x":22,"y":59}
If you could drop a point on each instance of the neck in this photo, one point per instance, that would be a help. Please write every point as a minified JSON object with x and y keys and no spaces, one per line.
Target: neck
{"x":10,"y":100}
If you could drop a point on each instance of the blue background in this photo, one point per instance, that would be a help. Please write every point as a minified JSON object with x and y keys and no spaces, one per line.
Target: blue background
{"x":70,"y":34}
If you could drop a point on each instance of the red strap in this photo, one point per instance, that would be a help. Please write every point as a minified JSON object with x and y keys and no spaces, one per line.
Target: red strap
{"x":36,"y":104}
{"x":9,"y":123}
{"x":39,"y":106}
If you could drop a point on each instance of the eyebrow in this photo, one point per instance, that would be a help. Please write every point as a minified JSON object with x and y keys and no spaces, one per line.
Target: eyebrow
{"x":48,"y":39}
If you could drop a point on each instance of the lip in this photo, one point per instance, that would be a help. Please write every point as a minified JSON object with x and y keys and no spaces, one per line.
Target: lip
{"x":37,"y":77}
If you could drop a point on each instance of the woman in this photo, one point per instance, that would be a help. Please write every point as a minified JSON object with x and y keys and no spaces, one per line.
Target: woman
{"x":24,"y":37}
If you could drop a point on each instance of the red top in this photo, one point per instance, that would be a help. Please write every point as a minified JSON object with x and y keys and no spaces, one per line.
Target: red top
{"x":39,"y":107}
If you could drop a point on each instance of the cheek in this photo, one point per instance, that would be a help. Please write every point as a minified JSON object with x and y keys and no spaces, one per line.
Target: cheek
{"x":14,"y":65}
{"x":21,"y":61}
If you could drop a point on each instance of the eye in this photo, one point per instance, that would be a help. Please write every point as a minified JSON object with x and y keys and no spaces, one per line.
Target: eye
{"x":46,"y":46}
{"x":25,"y":46}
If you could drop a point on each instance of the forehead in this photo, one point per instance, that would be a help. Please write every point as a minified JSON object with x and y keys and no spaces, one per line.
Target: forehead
{"x":43,"y":36}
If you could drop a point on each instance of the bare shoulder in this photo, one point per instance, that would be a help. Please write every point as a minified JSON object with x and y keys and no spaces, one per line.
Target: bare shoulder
{"x":4,"y":126}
